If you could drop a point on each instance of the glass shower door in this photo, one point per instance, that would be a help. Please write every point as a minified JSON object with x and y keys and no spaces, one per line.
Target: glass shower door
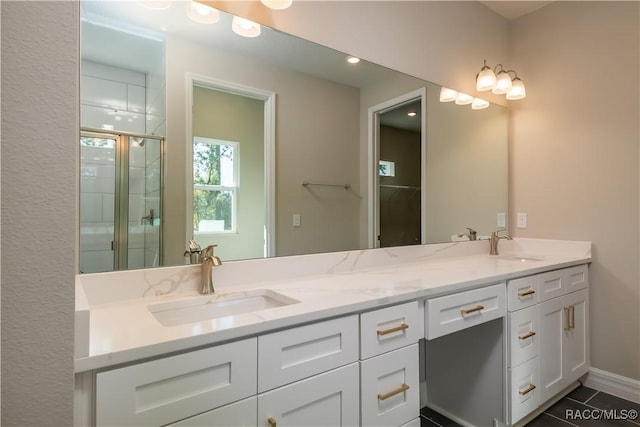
{"x":144,"y":201}
{"x":120,"y":201}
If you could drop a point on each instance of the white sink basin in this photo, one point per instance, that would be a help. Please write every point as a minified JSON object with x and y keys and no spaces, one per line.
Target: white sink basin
{"x":214,"y":306}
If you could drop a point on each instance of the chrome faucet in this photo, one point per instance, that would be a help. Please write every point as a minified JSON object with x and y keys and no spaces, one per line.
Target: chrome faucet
{"x":472,"y":234}
{"x":209,"y":261}
{"x":493,"y":241}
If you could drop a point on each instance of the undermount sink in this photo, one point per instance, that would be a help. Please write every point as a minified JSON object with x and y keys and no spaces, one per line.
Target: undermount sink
{"x":519,"y":258}
{"x":207,"y":307}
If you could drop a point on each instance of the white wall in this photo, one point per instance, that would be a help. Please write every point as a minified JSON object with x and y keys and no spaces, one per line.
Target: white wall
{"x":574,"y":160}
{"x":40,"y":134}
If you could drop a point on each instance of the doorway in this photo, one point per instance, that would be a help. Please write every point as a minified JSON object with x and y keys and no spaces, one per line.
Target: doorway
{"x":397,"y":175}
{"x":230,"y":200}
{"x":121,"y":204}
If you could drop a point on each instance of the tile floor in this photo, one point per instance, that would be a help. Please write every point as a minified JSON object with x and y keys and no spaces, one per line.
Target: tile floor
{"x":583,"y":401}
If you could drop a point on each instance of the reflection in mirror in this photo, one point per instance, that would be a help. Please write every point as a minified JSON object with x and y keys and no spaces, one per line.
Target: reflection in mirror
{"x":135,"y":65}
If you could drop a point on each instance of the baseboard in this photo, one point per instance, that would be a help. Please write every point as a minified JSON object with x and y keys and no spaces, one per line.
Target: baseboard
{"x":614,"y":384}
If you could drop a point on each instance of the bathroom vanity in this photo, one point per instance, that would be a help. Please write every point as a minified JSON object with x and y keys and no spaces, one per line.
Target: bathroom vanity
{"x":363,"y":338}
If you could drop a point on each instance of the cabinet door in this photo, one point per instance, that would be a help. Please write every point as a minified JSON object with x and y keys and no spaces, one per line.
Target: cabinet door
{"x":238,"y":414}
{"x":174,"y":388}
{"x":576,"y":357}
{"x":552,"y":284}
{"x":390,"y":393}
{"x":553,"y":319}
{"x":329,"y":399}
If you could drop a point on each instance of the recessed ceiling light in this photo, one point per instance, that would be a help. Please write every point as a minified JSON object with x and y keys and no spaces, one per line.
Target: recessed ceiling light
{"x":412,"y":114}
{"x":353,"y":60}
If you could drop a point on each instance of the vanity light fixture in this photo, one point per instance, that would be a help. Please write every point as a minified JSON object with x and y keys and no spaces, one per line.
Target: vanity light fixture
{"x":479,"y":104}
{"x":202,"y":13}
{"x":277,"y":4}
{"x":244,"y":27}
{"x":448,"y":95}
{"x":499,"y":81}
{"x":353,"y":60}
{"x":463,"y":99}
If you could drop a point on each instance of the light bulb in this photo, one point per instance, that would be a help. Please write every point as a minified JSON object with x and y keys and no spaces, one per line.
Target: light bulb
{"x":202,"y":13}
{"x":479,"y":104}
{"x":486,"y":79}
{"x":277,"y":4}
{"x":447,"y":95}
{"x":517,"y":90}
{"x":463,"y":99}
{"x":244,"y":27}
{"x":503,"y":83}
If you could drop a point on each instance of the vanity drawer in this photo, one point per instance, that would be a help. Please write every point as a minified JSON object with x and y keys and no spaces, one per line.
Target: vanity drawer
{"x":297,"y":353}
{"x":523,"y":389}
{"x":522,"y":293}
{"x":389,"y":329}
{"x":389,"y":389}
{"x":577,"y":277}
{"x":551,"y":284}
{"x":523,"y":329}
{"x":452,"y":313}
{"x":174,"y":388}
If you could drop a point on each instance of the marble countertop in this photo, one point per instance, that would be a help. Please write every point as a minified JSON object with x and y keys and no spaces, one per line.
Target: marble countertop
{"x":112,"y":313}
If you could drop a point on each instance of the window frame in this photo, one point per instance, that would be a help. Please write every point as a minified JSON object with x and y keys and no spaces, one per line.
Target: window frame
{"x":234,"y":190}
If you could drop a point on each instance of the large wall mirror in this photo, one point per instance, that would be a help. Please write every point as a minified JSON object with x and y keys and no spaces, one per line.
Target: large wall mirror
{"x":263,"y":146}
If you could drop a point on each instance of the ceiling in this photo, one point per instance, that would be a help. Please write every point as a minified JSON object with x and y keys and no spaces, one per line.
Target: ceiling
{"x":514,"y":9}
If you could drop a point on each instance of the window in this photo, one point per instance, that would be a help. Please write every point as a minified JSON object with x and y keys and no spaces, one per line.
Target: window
{"x":215,"y":186}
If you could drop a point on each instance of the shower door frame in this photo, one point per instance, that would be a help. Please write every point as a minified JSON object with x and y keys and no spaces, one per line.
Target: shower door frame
{"x":120,"y":242}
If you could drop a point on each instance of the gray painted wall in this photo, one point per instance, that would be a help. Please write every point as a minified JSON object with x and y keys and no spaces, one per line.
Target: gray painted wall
{"x":40,"y":104}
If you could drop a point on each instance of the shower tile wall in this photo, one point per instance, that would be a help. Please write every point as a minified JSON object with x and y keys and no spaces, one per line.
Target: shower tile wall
{"x":111,"y":98}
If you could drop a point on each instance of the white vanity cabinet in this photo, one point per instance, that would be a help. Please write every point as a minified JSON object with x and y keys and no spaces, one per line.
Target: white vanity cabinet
{"x":171,"y":389}
{"x":389,"y":380}
{"x":547,"y":346}
{"x":564,"y":323}
{"x":309,"y":376}
{"x":523,"y":335}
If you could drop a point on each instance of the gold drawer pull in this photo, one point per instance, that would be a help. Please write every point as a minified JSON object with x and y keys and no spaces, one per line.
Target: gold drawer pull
{"x":272,"y":422}
{"x":572,"y":318}
{"x":527,"y":390}
{"x":401,"y":389}
{"x":472,"y":310}
{"x":526,"y":293}
{"x":527,"y":335}
{"x":569,"y":323}
{"x":392,"y":330}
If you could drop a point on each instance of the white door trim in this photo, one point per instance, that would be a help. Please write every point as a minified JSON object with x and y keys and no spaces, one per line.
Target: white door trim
{"x":269,"y":99}
{"x":373,"y":158}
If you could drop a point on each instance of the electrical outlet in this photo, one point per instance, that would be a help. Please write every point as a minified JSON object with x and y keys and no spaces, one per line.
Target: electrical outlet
{"x":296,"y":220}
{"x":501,"y":220}
{"x":522,"y":220}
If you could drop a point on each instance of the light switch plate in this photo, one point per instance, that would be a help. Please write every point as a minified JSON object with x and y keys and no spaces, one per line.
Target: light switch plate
{"x":501,"y":220}
{"x":296,"y":220}
{"x":522,"y":220}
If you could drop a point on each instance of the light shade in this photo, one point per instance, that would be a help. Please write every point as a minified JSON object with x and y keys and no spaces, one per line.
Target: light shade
{"x":277,"y":4}
{"x":479,"y":104}
{"x":503,"y":83}
{"x":244,"y":27}
{"x":517,"y":90}
{"x":448,"y":95}
{"x":463,"y":99}
{"x":202,"y":13}
{"x":486,"y":79}
{"x":155,"y":4}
